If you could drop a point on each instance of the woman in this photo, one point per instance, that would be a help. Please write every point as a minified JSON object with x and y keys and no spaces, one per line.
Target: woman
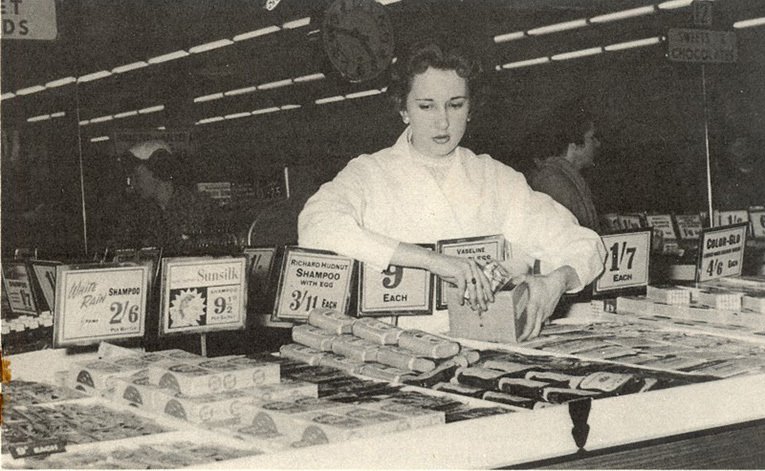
{"x":426,"y":188}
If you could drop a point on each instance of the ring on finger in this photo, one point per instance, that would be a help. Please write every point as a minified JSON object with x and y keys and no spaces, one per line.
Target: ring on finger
{"x":473,"y":280}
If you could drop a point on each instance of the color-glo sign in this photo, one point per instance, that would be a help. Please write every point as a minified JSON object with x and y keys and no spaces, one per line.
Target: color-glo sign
{"x":481,"y":249}
{"x":722,"y":252}
{"x":700,"y":45}
{"x":97,"y":302}
{"x":627,"y":262}
{"x":29,"y":19}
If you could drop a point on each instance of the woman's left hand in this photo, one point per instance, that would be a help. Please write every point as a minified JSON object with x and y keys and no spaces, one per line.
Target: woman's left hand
{"x":544,"y":293}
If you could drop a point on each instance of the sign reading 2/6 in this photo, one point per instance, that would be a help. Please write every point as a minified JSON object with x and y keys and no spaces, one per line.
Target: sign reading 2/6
{"x":722,"y":252}
{"x":627,"y":262}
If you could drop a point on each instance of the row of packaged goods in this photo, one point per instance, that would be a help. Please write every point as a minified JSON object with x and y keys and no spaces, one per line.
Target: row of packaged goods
{"x":342,"y":379}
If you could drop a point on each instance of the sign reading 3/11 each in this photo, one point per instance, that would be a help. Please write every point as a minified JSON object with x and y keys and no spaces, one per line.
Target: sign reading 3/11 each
{"x":627,"y":262}
{"x":95,"y":303}
{"x":203,"y":295}
{"x":311,"y":279}
{"x":722,"y":252}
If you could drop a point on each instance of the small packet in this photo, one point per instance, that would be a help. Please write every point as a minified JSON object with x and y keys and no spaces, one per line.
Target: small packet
{"x":497,"y":275}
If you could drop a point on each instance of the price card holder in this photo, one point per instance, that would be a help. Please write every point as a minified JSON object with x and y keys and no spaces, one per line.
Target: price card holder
{"x":97,"y":302}
{"x":311,"y":279}
{"x":757,"y":222}
{"x":262,"y":279}
{"x":18,"y":287}
{"x":722,"y":252}
{"x":202,"y":294}
{"x":44,"y":282}
{"x":397,"y":291}
{"x":630,"y":222}
{"x":688,"y":226}
{"x":482,"y":249}
{"x":626,"y":266}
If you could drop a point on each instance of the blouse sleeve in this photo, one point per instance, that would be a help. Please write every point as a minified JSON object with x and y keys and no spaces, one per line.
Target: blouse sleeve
{"x":546,"y":230}
{"x":332,"y":219}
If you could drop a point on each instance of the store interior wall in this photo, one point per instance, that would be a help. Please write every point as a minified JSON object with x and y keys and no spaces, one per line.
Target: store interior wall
{"x":651,"y":115}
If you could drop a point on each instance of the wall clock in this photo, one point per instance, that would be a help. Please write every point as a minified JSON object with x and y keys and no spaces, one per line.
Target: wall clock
{"x":358,"y":38}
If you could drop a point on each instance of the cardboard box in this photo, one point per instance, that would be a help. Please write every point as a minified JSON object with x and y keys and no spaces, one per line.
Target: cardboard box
{"x":97,"y":377}
{"x":502,"y":322}
{"x":210,"y":408}
{"x":137,"y":391}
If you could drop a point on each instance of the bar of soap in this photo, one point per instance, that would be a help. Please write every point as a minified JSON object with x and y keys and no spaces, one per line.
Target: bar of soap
{"x":355,"y":348}
{"x":721,"y":299}
{"x":668,"y":294}
{"x":376,"y":331}
{"x":296,"y":351}
{"x":428,"y":345}
{"x":331,"y":321}
{"x":313,"y":337}
{"x":403,"y":359}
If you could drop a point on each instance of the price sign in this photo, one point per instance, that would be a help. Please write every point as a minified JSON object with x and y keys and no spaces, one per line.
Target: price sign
{"x":757,"y":220}
{"x":689,"y":226}
{"x":662,"y":223}
{"x":18,"y":288}
{"x":726,"y":218}
{"x":630,"y":221}
{"x":260,"y":266}
{"x":481,"y":249}
{"x":311,"y":279}
{"x":202,"y":295}
{"x":44,"y":274}
{"x":722,"y":252}
{"x":98,"y":302}
{"x":398,"y":291}
{"x":611,"y":222}
{"x":627,"y":262}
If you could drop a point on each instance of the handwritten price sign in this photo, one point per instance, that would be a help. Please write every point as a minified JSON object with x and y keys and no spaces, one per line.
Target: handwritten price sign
{"x":689,"y":226}
{"x":18,"y":288}
{"x":311,"y":279}
{"x":481,"y":249}
{"x":95,"y":304}
{"x":722,"y":252}
{"x":726,"y":218}
{"x":396,"y":291}
{"x":662,"y":223}
{"x":202,"y":295}
{"x":627,"y":262}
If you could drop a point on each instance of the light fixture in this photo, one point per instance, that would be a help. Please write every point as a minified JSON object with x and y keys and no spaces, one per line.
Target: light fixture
{"x":168,"y":57}
{"x":277,"y":84}
{"x":6,"y":96}
{"x":94,"y":76}
{"x":41,"y":117}
{"x":237,"y":115}
{"x":309,"y":78}
{"x":749,"y":23}
{"x":58,"y":114}
{"x":99,"y":139}
{"x":503,"y":38}
{"x":210,"y":46}
{"x":161,"y":128}
{"x":624,"y":14}
{"x":128,"y":67}
{"x":673,"y":4}
{"x":387,"y":2}
{"x":565,"y":26}
{"x":384,"y":89}
{"x":256,"y":33}
{"x":60,"y":82}
{"x":362,"y":94}
{"x":271,"y":4}
{"x":210,"y":120}
{"x":84,"y":122}
{"x":631,"y":44}
{"x":266,"y":110}
{"x":526,"y":63}
{"x":151,"y":109}
{"x":101,"y":119}
{"x":126,"y":114}
{"x":30,"y":90}
{"x":214,"y":96}
{"x":297,"y":23}
{"x":240,"y":91}
{"x":576,"y":54}
{"x":289,"y":107}
{"x":330,"y":99}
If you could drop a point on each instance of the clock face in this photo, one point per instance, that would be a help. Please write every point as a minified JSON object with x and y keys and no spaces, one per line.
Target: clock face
{"x":358,"y":38}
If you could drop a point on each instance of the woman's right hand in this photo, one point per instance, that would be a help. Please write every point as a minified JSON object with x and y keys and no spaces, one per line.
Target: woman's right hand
{"x":467,"y":275}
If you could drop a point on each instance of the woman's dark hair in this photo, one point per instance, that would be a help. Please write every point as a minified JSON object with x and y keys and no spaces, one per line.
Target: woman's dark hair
{"x":438,"y":55}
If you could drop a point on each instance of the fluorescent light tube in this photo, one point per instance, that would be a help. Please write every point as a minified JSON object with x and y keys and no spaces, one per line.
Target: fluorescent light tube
{"x":84,"y":122}
{"x":309,"y":78}
{"x":94,"y":76}
{"x":99,"y":139}
{"x":575,"y":54}
{"x":289,"y":107}
{"x":210,"y":46}
{"x":60,"y":82}
{"x":330,"y":99}
{"x":41,"y":117}
{"x":631,"y":44}
{"x":672,"y":4}
{"x":210,"y":120}
{"x":238,"y":115}
{"x":297,"y":23}
{"x":6,"y":96}
{"x":128,"y":67}
{"x":749,"y":23}
{"x":353,"y":95}
{"x":30,"y":90}
{"x":101,"y":119}
{"x":125,"y":114}
{"x":387,"y":2}
{"x":256,"y":33}
{"x":59,"y":114}
{"x":152,"y":109}
{"x":161,"y":128}
{"x":526,"y":63}
{"x":214,"y":96}
{"x":565,"y":26}
{"x":168,"y":57}
{"x":277,"y":84}
{"x":240,"y":91}
{"x":266,"y":110}
{"x":503,"y":38}
{"x":624,"y":14}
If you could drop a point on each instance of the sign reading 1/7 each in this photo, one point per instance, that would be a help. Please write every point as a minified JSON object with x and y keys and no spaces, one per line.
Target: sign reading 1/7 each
{"x":722,"y":252}
{"x":627,"y":262}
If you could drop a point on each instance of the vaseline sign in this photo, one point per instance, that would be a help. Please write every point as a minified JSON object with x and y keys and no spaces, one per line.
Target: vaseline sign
{"x":29,"y":19}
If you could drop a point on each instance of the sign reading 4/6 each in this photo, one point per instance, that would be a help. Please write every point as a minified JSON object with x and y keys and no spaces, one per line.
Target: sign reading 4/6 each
{"x":395,"y":291}
{"x":722,"y":252}
{"x":311,"y":279}
{"x":627,"y":262}
{"x":203,"y":294}
{"x":94,"y":304}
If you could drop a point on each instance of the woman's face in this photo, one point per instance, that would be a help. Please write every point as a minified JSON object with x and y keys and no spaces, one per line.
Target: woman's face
{"x":437,"y":108}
